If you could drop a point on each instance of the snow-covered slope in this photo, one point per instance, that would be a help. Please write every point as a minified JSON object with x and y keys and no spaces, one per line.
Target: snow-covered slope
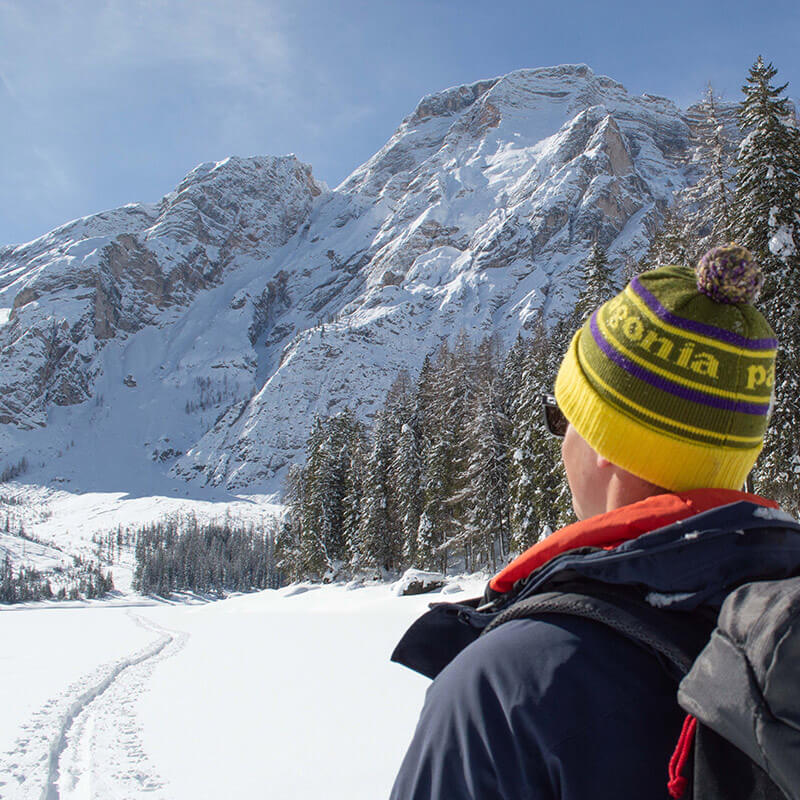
{"x":189,"y":343}
{"x":286,"y":694}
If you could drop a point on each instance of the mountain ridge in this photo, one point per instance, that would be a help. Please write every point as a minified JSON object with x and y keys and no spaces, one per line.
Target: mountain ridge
{"x":226,"y":315}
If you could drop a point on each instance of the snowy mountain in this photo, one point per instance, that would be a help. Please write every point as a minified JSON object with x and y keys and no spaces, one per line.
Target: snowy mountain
{"x":189,"y":343}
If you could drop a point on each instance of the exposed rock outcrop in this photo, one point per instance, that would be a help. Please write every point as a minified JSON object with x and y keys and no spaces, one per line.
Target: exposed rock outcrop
{"x":252,"y":297}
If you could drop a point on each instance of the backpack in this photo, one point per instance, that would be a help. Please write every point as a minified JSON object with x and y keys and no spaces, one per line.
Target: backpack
{"x":740,"y":685}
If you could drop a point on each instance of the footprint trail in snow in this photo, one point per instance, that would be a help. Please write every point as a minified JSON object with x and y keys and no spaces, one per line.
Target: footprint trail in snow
{"x":86,"y":743}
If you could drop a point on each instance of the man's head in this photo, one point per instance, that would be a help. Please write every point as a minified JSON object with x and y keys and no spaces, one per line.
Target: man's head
{"x":670,"y":382}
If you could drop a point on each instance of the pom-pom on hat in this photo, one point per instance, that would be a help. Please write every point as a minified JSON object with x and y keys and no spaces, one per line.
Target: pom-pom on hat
{"x":729,"y":274}
{"x":672,"y":379}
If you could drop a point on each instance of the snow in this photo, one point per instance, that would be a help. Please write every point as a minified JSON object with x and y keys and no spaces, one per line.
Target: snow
{"x":663,"y":600}
{"x":65,"y":520}
{"x":477,"y":212}
{"x":5,"y":313}
{"x":781,"y":243}
{"x":279,"y":693}
{"x":416,"y":581}
{"x":50,"y":657}
{"x":772,"y":514}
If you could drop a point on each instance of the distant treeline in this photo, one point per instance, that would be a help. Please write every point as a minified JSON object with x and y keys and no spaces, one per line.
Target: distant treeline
{"x":81,"y":581}
{"x":184,"y":554}
{"x":14,"y":470}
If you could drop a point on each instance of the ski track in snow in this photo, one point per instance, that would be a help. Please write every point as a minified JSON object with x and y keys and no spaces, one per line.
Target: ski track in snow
{"x":86,"y":743}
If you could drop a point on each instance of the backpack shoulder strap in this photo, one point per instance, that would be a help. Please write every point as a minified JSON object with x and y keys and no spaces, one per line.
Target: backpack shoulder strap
{"x":673,"y":636}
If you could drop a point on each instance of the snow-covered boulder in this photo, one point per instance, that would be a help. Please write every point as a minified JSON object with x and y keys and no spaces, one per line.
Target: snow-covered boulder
{"x":417,"y":581}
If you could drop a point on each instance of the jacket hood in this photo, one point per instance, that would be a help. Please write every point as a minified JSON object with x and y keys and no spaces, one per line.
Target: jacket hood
{"x":619,"y":525}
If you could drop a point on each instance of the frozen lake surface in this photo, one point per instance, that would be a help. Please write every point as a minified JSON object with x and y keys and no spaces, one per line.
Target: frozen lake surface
{"x":284,"y":693}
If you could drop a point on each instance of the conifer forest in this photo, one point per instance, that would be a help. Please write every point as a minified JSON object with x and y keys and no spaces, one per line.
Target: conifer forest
{"x":457,"y":471}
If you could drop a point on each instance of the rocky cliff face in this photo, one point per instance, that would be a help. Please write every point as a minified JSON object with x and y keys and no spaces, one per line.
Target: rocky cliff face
{"x":114,"y":273}
{"x":272,"y":298}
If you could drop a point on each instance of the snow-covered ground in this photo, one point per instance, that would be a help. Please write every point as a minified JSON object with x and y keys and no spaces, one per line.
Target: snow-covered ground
{"x":285,"y":694}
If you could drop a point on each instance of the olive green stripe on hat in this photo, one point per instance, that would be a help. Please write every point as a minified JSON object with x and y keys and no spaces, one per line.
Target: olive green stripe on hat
{"x":671,"y":416}
{"x":655,"y":455}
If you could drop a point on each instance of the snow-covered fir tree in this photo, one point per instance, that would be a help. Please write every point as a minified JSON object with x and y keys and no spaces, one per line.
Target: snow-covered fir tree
{"x":437,"y":470}
{"x":525,"y":431}
{"x":480,"y":501}
{"x":485,"y":482}
{"x":378,"y":542}
{"x":767,"y":221}
{"x":405,"y":470}
{"x":460,"y":389}
{"x":598,"y":283}
{"x":710,"y":200}
{"x":290,"y":534}
{"x":537,"y":495}
{"x":356,"y":473}
{"x":767,"y":218}
{"x":332,"y":447}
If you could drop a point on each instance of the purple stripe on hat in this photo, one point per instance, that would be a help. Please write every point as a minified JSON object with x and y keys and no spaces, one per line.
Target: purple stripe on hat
{"x":699,"y":327}
{"x":666,"y":385}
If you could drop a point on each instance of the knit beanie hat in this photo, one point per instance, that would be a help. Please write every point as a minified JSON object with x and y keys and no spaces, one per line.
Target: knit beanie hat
{"x":672,"y":379}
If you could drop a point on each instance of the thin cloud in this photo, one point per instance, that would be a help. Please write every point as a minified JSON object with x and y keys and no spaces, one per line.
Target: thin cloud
{"x":238,"y":43}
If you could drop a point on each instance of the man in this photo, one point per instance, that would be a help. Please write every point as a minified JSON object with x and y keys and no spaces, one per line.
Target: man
{"x":666,"y":391}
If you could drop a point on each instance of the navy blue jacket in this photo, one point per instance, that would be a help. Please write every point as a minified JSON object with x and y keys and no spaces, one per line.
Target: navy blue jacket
{"x":563,"y":707}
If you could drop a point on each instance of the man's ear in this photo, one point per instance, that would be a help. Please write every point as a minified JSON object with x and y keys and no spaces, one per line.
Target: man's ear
{"x":602,"y":462}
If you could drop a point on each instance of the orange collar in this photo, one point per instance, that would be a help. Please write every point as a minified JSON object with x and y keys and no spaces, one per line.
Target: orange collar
{"x":620,"y":525}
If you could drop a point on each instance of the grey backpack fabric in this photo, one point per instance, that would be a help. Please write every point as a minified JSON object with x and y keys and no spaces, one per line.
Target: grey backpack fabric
{"x":745,"y":684}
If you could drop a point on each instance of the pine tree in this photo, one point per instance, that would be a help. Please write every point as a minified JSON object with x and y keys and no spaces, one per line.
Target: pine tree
{"x":443,"y":393}
{"x":768,"y":176}
{"x":405,"y":469}
{"x":598,"y":283}
{"x":711,"y":198}
{"x":538,"y":494}
{"x":674,"y":242}
{"x":427,"y":404}
{"x":524,"y":408}
{"x":378,"y":542}
{"x":767,"y":221}
{"x":355,"y":478}
{"x":405,"y":476}
{"x":324,"y":548}
{"x":485,"y":485}
{"x":288,"y":553}
{"x":460,"y":387}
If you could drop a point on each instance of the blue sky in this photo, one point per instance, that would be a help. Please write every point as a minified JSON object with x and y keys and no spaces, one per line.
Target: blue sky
{"x":104,"y":102}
